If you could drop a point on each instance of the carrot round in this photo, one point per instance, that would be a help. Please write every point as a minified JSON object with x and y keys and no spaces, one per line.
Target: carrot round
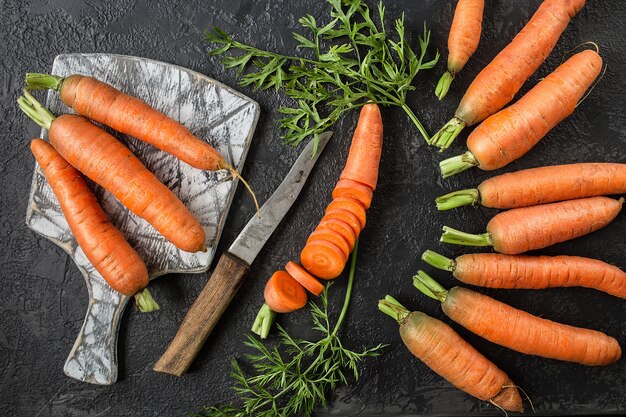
{"x":512,"y":132}
{"x":331,"y":236}
{"x":520,"y":230}
{"x":283,"y":294}
{"x":494,"y":270}
{"x":100,"y":101}
{"x":498,"y":82}
{"x":106,"y":161}
{"x":366,"y":148}
{"x":305,"y":279}
{"x":450,"y":356}
{"x":340,"y":227}
{"x":353,"y":206}
{"x":344,"y":216}
{"x":323,"y":259}
{"x":542,"y":185}
{"x":354,"y":189}
{"x":462,"y":40}
{"x":518,"y":330}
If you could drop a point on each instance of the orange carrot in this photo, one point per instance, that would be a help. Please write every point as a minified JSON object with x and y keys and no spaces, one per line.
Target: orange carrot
{"x":542,"y":185}
{"x":366,"y":148}
{"x":498,"y":82}
{"x":518,"y":330}
{"x":283,"y":294}
{"x":105,"y":104}
{"x":449,"y":355}
{"x":340,"y":227}
{"x":353,"y":206}
{"x":462,"y":40}
{"x":331,"y":236}
{"x":520,"y":230}
{"x":532,"y":272}
{"x":305,"y":279}
{"x":106,"y":161}
{"x":344,"y":216}
{"x":511,"y":133}
{"x":323,"y":259}
{"x":354,"y":189}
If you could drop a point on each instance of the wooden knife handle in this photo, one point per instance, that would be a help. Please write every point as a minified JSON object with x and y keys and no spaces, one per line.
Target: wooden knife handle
{"x":203,"y":315}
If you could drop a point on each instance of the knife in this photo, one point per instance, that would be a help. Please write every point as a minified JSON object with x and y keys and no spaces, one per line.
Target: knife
{"x":233,"y":266}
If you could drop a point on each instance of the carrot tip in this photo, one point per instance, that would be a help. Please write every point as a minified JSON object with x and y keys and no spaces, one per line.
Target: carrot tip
{"x":456,"y":199}
{"x":444,"y":85}
{"x":446,"y":135}
{"x":456,"y":164}
{"x":145,"y":302}
{"x":235,"y":174}
{"x":263,"y":321}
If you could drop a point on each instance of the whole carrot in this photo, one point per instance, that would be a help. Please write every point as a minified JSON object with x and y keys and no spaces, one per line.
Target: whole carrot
{"x":498,"y":82}
{"x":520,"y":230}
{"x":462,"y":40}
{"x":518,"y":330}
{"x":106,"y":161}
{"x":542,"y":185}
{"x":103,"y":244}
{"x":449,"y":355}
{"x":494,"y":270}
{"x":106,"y":104}
{"x":512,"y":132}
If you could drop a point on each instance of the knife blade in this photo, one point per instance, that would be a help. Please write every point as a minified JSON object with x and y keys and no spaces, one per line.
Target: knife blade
{"x":234,"y":265}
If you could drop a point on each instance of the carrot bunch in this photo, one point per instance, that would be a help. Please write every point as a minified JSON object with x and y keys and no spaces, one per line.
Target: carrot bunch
{"x":328,"y":247}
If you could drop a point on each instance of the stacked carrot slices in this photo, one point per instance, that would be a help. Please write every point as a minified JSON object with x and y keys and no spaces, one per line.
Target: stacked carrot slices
{"x":328,"y":247}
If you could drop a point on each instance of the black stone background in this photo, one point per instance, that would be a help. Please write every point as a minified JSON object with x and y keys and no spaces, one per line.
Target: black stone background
{"x":43,"y":298}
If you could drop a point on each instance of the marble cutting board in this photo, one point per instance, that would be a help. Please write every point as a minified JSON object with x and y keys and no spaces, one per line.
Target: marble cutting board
{"x":213,"y":112}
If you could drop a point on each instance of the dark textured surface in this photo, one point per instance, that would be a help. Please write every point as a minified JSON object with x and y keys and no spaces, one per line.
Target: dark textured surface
{"x":43,"y":298}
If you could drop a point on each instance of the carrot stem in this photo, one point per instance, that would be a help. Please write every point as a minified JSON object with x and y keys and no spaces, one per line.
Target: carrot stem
{"x":263,"y":321}
{"x":417,"y":123}
{"x":438,"y":261}
{"x":457,"y":237}
{"x":444,"y":85}
{"x":391,"y":307}
{"x":460,"y":198}
{"x":36,"y":81}
{"x":33,"y":109}
{"x":446,"y":135}
{"x":346,"y":300}
{"x":456,"y":164}
{"x":145,"y":302}
{"x":428,"y":286}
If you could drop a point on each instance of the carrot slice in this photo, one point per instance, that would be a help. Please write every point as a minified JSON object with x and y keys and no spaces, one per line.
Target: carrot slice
{"x":331,"y":236}
{"x":305,"y":279}
{"x":323,"y":259}
{"x":354,"y":189}
{"x":340,"y":227}
{"x":283,"y":294}
{"x":353,"y":206}
{"x":346,"y":216}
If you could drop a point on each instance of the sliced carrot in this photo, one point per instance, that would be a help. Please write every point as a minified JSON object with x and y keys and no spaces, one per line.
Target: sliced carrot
{"x":283,"y":294}
{"x":305,"y":279}
{"x":331,"y":236}
{"x":323,"y":259}
{"x":340,"y":227}
{"x":354,"y":189}
{"x":353,"y":206}
{"x":346,"y":216}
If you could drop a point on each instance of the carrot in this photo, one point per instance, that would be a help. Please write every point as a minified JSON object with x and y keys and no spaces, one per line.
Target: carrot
{"x":511,"y":133}
{"x":331,"y":236}
{"x":462,"y":40}
{"x":542,"y":185}
{"x":520,"y":230}
{"x":354,"y":189}
{"x":305,"y":279}
{"x":106,"y":161}
{"x":283,"y":294}
{"x":323,"y":259}
{"x":344,"y":216}
{"x":532,"y":272}
{"x":105,"y":104}
{"x":340,"y":227}
{"x":498,"y":82}
{"x":366,"y":148}
{"x":518,"y":330}
{"x":353,"y":206}
{"x":450,"y":356}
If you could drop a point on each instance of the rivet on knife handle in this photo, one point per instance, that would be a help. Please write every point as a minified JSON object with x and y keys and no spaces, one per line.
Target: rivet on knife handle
{"x":203,"y":315}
